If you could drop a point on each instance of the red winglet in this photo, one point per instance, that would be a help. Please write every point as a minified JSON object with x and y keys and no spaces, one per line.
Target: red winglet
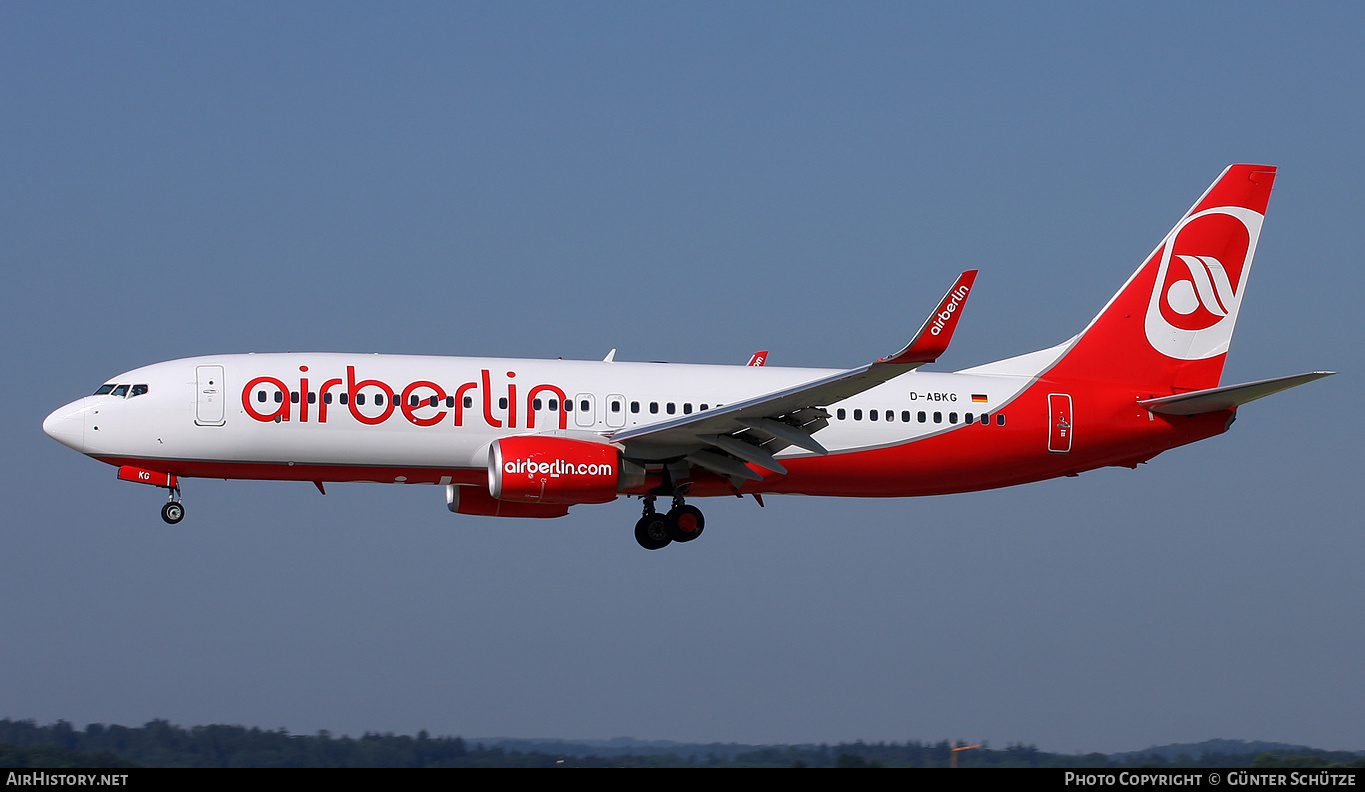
{"x":932,"y":339}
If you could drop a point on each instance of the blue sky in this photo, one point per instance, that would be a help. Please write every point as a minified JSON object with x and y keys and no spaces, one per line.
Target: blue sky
{"x":687,"y":182}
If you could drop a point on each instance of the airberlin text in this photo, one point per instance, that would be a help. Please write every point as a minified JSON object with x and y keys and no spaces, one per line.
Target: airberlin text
{"x":420,"y":402}
{"x":558,"y":468}
{"x":954,"y":302}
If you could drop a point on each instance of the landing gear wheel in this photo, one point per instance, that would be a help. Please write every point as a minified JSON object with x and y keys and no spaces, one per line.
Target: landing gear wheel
{"x":652,"y":531}
{"x":685,"y":523}
{"x":173,"y":512}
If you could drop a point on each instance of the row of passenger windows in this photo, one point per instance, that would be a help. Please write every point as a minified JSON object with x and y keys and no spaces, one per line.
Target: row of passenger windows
{"x":360,"y":398}
{"x":121,"y":391}
{"x":669,"y":407}
{"x":584,"y":405}
{"x":921,"y":416}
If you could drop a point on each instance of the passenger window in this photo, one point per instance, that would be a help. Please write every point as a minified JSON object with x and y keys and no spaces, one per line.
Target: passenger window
{"x":583,"y":406}
{"x":468,"y":402}
{"x":413,"y":401}
{"x":687,"y":408}
{"x":378,"y":399}
{"x":952,"y":418}
{"x":312,"y":397}
{"x":967,"y":419}
{"x":922,"y":416}
{"x":985,"y":419}
{"x":435,"y":400}
{"x":999,"y":419}
{"x":554,"y":404}
{"x":938,"y":417}
{"x":702,"y":407}
{"x":616,"y":406}
{"x":360,"y":399}
{"x":450,"y":402}
{"x":871,"y":415}
{"x":654,"y":408}
{"x":635,"y":407}
{"x":502,"y":403}
{"x":857,"y":415}
{"x":344,"y":397}
{"x":670,"y":408}
{"x":104,"y":390}
{"x":279,"y":397}
{"x":260,"y":396}
{"x":905,"y":416}
{"x":842,"y":415}
{"x":121,"y":391}
{"x":327,"y":397}
{"x":890,"y":415}
{"x":535,"y":404}
{"x":568,"y":405}
{"x":293,"y":397}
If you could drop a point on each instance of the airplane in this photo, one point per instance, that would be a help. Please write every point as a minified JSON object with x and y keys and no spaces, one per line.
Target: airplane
{"x":531,"y":438}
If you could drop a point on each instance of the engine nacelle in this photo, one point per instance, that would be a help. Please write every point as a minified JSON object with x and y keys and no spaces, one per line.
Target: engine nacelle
{"x":475,"y":500}
{"x":547,"y":469}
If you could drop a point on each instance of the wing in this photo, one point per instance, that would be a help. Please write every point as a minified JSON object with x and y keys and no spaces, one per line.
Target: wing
{"x":723,"y":439}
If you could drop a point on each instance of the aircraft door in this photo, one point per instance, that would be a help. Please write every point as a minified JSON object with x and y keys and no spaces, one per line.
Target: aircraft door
{"x":585,"y":409}
{"x":616,"y":410}
{"x":1060,"y":429}
{"x":209,"y":395}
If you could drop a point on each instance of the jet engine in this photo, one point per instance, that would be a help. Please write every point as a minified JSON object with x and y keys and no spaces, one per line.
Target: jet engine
{"x":549,"y":469}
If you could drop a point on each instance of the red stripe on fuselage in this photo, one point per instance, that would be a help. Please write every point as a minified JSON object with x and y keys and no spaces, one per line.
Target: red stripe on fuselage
{"x":1110,"y":428}
{"x":282,"y":471}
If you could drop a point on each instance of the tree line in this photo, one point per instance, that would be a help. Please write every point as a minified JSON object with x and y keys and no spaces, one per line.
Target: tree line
{"x":159,"y":743}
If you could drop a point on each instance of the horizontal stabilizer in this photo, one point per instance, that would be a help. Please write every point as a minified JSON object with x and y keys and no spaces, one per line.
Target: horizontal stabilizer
{"x":1226,"y":398}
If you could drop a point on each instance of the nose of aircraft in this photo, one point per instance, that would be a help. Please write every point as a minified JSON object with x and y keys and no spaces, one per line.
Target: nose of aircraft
{"x":66,"y":425}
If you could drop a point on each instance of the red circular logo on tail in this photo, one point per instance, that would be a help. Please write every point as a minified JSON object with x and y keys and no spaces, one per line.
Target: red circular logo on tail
{"x":1202,"y":283}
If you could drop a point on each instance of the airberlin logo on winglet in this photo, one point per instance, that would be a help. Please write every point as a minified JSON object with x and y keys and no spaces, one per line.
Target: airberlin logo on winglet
{"x":954,"y":302}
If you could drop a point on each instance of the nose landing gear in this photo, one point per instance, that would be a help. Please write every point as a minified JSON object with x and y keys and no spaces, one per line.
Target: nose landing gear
{"x":173,"y":512}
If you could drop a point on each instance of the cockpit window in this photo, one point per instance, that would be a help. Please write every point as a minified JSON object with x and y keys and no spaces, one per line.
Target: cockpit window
{"x":137,"y":390}
{"x":120,"y":391}
{"x":104,"y":389}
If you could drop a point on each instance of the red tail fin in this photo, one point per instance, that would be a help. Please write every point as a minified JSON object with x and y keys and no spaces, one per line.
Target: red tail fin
{"x":1168,"y":328}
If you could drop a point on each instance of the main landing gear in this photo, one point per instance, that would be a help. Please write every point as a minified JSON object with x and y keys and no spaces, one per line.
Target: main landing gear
{"x":682,"y":523}
{"x":174,"y":511}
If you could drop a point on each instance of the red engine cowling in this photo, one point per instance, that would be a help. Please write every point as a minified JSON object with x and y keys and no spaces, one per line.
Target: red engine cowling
{"x":541,"y":469}
{"x":475,"y":500}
